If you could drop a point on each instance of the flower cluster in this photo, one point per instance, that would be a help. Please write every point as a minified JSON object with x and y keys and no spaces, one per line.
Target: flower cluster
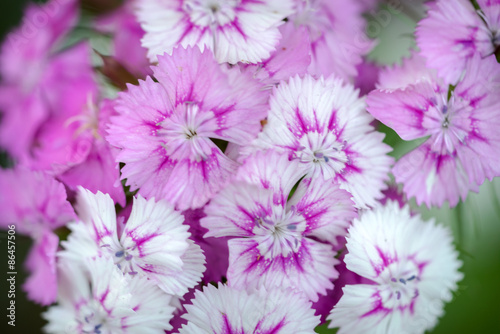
{"x":216,"y":169}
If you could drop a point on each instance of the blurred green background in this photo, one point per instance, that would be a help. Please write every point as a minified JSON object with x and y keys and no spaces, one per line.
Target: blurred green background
{"x":475,"y":223}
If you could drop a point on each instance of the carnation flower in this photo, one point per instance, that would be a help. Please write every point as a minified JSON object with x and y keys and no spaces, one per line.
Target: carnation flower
{"x":154,"y":242}
{"x":165,"y":128}
{"x":235,"y":31}
{"x":336,"y":33}
{"x":413,"y":266}
{"x":228,"y":310}
{"x":323,"y":124}
{"x":99,"y":299}
{"x":461,"y":124}
{"x":278,"y":239}
{"x":42,"y":88}
{"x":127,"y":34}
{"x":454,"y":32}
{"x":35,"y":203}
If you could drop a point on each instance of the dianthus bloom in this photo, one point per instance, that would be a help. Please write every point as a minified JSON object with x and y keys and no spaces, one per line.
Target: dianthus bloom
{"x":462,"y":125}
{"x":153,"y":242}
{"x":165,"y":128}
{"x":453,"y":32}
{"x":280,"y":240}
{"x":35,"y":204}
{"x":323,"y":124}
{"x":228,"y":310}
{"x":414,"y":268}
{"x":236,"y":31}
{"x":97,"y":298}
{"x":337,"y":36}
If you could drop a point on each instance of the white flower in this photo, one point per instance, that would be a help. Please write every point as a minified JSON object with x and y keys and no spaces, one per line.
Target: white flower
{"x":236,"y":31}
{"x":413,"y":265}
{"x":323,"y":124}
{"x":98,"y":299}
{"x":227,"y":310}
{"x":153,"y":243}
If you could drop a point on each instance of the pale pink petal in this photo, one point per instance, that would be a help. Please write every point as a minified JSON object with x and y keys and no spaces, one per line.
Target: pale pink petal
{"x":41,"y":285}
{"x":33,"y":202}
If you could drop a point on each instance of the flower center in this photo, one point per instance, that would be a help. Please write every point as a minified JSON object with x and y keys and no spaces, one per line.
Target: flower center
{"x":123,"y":261}
{"x":281,"y":234}
{"x":324,"y":154}
{"x":210,"y":12}
{"x":185,"y":134}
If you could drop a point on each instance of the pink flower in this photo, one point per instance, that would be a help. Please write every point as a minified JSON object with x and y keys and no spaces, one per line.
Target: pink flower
{"x":41,"y":285}
{"x":235,"y":31}
{"x":165,"y":128}
{"x":36,"y":204}
{"x":33,"y":201}
{"x":279,"y":240}
{"x":453,"y":32}
{"x":127,"y":34}
{"x":460,"y":152}
{"x":98,"y":171}
{"x":40,"y":87}
{"x":336,"y":33}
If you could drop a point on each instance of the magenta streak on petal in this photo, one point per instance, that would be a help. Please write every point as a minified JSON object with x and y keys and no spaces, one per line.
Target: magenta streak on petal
{"x":301,"y":122}
{"x":102,"y":299}
{"x":313,"y":217}
{"x":386,"y":261}
{"x":139,"y":242}
{"x":259,"y":259}
{"x":219,"y":113}
{"x":332,"y":122}
{"x":188,"y":29}
{"x":227,"y":326}
{"x":99,"y":235}
{"x":235,"y":25}
{"x":276,"y":329}
{"x":250,"y":218}
{"x":378,"y":307}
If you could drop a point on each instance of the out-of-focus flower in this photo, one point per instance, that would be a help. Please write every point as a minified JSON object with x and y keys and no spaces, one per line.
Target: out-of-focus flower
{"x":276,"y":237}
{"x":228,"y":310}
{"x":336,"y":33}
{"x":165,"y":128}
{"x":41,"y":88}
{"x":126,"y":33}
{"x":323,"y":124}
{"x":236,"y":31}
{"x":36,"y":205}
{"x":453,"y":32}
{"x":154,"y":242}
{"x":97,"y":298}
{"x":414,"y":267}
{"x":461,"y":124}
